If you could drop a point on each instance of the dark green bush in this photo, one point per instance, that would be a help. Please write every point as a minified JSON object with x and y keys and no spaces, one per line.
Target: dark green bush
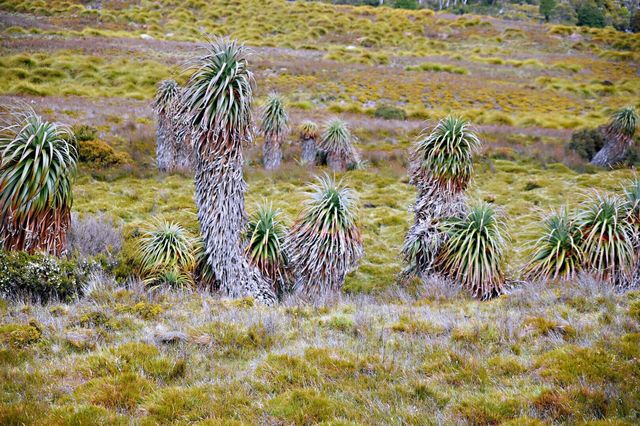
{"x":85,"y":133}
{"x":39,"y":277}
{"x":389,"y":112}
{"x":587,"y":142}
{"x":590,"y":15}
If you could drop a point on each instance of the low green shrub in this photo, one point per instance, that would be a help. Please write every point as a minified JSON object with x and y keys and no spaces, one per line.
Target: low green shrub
{"x":586,"y":143}
{"x":389,"y":112}
{"x":40,"y":277}
{"x":99,"y":154}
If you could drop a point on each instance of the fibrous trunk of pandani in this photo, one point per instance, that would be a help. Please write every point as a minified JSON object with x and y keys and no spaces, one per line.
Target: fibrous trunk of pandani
{"x":340,"y":160}
{"x":614,"y":151}
{"x":184,"y":156}
{"x":309,"y":151}
{"x":434,"y":204}
{"x":271,"y":153}
{"x":44,"y":232}
{"x":220,"y":189}
{"x":165,"y":143}
{"x":318,"y":272}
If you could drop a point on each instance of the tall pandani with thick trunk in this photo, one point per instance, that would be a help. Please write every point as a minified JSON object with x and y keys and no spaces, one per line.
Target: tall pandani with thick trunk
{"x":274,"y":127}
{"x":325,"y":242}
{"x":37,"y":165}
{"x":164,"y":106}
{"x":441,"y":168}
{"x":619,"y":133}
{"x":337,"y":143}
{"x":218,"y":103}
{"x":308,"y":136}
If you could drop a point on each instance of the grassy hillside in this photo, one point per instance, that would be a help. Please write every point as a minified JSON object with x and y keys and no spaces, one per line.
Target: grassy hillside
{"x":384,"y":353}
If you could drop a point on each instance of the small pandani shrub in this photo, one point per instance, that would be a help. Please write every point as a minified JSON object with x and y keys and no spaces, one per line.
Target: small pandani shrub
{"x":308,"y":136}
{"x":557,"y":254}
{"x":474,"y":251}
{"x":166,"y":254}
{"x":37,"y":165}
{"x":607,"y":238}
{"x":265,"y":235}
{"x":274,"y":127}
{"x":619,"y":134}
{"x":164,"y":105}
{"x":337,"y":142}
{"x":325,"y":242}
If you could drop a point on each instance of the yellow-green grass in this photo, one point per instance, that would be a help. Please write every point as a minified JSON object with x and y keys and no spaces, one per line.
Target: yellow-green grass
{"x":541,"y":355}
{"x":73,"y":73}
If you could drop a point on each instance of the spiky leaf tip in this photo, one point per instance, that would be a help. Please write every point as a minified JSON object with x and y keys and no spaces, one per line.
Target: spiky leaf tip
{"x":219,"y":94}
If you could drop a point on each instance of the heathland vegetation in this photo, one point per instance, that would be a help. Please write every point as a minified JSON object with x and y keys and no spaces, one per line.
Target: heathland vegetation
{"x":331,"y":214}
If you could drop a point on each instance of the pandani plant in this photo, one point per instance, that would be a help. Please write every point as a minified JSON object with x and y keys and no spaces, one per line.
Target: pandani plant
{"x":325,"y":243}
{"x":38,"y":162}
{"x":165,"y":251}
{"x":473,"y":253}
{"x":164,"y":106}
{"x":607,"y":238}
{"x":440,"y":169}
{"x":309,"y":133}
{"x":619,"y":134}
{"x":557,"y":253}
{"x":264,"y":238}
{"x":274,"y":128}
{"x":337,"y":143}
{"x":217,"y":102}
{"x":632,"y":206}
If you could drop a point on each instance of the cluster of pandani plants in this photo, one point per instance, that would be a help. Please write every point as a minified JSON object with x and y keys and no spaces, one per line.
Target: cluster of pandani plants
{"x":464,"y":242}
{"x":334,"y":145}
{"x":260,"y":258}
{"x":459,"y":241}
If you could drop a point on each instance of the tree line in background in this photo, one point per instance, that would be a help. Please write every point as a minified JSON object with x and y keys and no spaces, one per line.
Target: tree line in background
{"x":453,"y":239}
{"x":624,"y":15}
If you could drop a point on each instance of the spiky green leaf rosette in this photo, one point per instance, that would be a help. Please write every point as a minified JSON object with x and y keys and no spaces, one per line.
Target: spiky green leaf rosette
{"x":337,"y":142}
{"x":624,"y":122}
{"x":275,"y":120}
{"x":38,"y":163}
{"x":265,"y":236}
{"x":166,"y":254}
{"x":325,"y":242}
{"x":445,"y":155}
{"x":557,"y":253}
{"x":474,"y":251}
{"x":607,"y":238}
